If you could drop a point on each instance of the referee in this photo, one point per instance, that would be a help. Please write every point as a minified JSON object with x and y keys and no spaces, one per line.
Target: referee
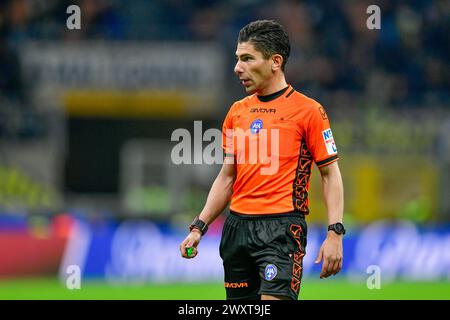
{"x":264,"y":237}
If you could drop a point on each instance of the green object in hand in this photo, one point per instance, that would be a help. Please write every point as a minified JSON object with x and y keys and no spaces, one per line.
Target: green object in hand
{"x":189,"y":251}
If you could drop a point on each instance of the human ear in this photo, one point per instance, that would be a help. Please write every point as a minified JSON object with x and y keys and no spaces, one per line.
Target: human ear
{"x":277,"y":61}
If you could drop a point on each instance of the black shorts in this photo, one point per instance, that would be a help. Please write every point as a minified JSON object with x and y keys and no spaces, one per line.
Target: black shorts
{"x":263,"y":254}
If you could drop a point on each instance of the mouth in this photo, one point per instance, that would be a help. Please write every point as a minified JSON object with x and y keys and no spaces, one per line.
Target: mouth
{"x":245,"y":82}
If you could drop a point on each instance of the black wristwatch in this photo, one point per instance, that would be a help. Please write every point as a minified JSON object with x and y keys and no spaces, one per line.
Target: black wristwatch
{"x":200,"y":225}
{"x":337,"y":227}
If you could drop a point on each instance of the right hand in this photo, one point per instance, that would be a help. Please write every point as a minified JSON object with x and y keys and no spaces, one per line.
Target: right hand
{"x":192,"y":240}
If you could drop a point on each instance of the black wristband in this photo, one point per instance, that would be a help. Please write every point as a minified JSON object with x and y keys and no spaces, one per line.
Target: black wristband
{"x":200,"y":225}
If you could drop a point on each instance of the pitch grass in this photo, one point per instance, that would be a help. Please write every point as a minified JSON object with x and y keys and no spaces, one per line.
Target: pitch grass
{"x":329,"y":289}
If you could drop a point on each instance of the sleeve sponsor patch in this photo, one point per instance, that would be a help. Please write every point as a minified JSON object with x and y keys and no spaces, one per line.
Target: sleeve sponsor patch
{"x":329,"y":141}
{"x":323,"y":113}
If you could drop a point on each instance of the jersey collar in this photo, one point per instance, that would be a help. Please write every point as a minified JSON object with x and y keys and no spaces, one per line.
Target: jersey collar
{"x":273,"y":96}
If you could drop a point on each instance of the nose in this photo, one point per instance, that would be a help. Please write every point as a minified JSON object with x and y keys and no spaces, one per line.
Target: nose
{"x":238,"y":68}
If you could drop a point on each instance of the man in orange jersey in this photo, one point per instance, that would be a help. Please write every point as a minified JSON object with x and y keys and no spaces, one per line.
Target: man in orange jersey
{"x":264,"y":237}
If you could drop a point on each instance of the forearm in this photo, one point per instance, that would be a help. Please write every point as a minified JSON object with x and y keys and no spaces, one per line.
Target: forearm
{"x":333,"y":192}
{"x":218,"y":198}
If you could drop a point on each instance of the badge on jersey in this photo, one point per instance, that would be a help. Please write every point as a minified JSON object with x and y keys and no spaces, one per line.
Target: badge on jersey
{"x":256,"y":126}
{"x":270,"y":272}
{"x":329,"y":141}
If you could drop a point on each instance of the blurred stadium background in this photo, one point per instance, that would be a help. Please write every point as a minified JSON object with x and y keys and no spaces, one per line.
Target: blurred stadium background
{"x":86,"y":118}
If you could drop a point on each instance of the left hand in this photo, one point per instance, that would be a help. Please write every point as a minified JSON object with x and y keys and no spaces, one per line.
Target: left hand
{"x":331,"y":252}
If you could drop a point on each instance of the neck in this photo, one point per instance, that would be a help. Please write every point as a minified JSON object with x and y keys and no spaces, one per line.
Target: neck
{"x":273,"y":86}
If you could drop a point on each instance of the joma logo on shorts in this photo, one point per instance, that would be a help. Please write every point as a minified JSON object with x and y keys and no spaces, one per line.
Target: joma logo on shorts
{"x":235,"y":285}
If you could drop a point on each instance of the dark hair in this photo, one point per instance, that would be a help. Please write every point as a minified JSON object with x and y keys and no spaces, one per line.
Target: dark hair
{"x":268,"y":37}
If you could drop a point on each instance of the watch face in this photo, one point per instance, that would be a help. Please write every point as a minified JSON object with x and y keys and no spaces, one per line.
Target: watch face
{"x":339,"y":227}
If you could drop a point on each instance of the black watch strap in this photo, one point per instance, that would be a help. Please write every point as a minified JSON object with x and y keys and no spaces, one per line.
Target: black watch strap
{"x":337,"y":227}
{"x":200,"y":225}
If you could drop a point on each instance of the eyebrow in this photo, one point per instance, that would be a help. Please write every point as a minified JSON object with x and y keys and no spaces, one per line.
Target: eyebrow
{"x":243,"y":55}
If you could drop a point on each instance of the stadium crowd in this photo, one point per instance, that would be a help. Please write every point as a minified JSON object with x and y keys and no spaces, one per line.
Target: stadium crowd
{"x":406,"y":64}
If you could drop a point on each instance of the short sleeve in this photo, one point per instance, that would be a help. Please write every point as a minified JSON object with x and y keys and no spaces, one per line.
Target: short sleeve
{"x":319,"y":137}
{"x":227,"y":134}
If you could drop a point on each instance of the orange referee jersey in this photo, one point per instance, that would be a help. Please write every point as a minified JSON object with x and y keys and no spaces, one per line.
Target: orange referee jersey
{"x":278,"y":181}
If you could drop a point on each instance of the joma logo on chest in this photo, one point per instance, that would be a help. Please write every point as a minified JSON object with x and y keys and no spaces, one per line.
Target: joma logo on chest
{"x":263,"y":110}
